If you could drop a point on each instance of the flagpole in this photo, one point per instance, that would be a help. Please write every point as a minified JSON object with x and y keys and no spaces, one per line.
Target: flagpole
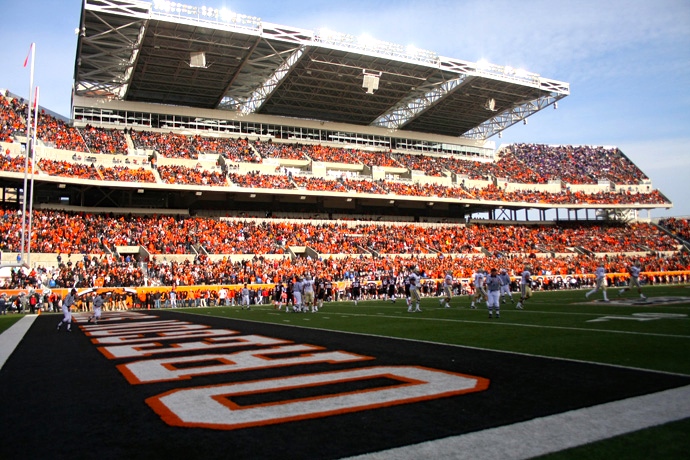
{"x":32,"y":52}
{"x":33,"y":168}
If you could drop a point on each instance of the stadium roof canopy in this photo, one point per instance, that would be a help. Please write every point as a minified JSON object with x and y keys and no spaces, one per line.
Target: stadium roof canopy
{"x":176,"y":54}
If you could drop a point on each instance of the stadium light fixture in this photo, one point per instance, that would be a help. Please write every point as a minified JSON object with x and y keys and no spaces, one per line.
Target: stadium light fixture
{"x":371,"y":81}
{"x":197,"y":60}
{"x":483,"y":64}
{"x":366,"y":40}
{"x":141,"y":190}
{"x":198,"y":193}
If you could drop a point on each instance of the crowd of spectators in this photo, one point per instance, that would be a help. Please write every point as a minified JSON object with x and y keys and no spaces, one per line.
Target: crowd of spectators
{"x":575,"y":164}
{"x":55,"y":132}
{"x":172,"y":174}
{"x":63,"y":232}
{"x":495,"y":193}
{"x":319,"y":184}
{"x":125,"y":174}
{"x":256,"y":180}
{"x":116,"y":271}
{"x":104,"y":140}
{"x":90,"y":171}
{"x":69,"y":169}
{"x":430,"y":165}
{"x":12,"y":118}
{"x":678,"y":227}
{"x":237,"y":150}
{"x":285,"y":151}
{"x":521,"y":163}
{"x":536,"y":164}
{"x":173,"y":145}
{"x":14,"y":164}
{"x":170,"y":145}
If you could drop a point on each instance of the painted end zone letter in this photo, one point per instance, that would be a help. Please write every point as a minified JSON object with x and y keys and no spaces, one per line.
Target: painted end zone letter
{"x":213,"y":407}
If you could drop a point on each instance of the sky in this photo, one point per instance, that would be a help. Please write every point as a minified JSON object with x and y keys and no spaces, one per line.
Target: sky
{"x":627,"y":62}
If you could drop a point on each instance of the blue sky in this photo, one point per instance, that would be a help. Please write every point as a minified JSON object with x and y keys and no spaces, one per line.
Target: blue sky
{"x":627,"y":62}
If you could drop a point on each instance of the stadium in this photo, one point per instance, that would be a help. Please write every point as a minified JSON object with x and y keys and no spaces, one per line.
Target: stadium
{"x":209,"y":152}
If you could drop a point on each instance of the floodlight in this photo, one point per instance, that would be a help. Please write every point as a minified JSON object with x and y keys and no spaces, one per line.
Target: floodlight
{"x":371,"y":81}
{"x":490,"y":104}
{"x":366,"y":40}
{"x":482,"y":64}
{"x":197,"y":59}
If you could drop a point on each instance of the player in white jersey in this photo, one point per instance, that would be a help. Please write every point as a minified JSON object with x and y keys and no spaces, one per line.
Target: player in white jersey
{"x":415,"y":290}
{"x":308,"y":294}
{"x":634,"y":271}
{"x":525,"y":287}
{"x":479,"y":291}
{"x":67,"y":303}
{"x":493,"y":290}
{"x":297,"y":294}
{"x":447,"y":290}
{"x":505,"y":286}
{"x":600,"y":283}
{"x":244,"y":297}
{"x":98,"y":302}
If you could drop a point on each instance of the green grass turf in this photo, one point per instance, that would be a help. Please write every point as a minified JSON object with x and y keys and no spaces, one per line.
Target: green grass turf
{"x":6,"y":321}
{"x":556,"y":324}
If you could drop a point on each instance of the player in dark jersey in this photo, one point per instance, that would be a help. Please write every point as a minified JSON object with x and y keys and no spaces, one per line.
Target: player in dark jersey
{"x":356,"y":287}
{"x":278,"y":296}
{"x":328,"y":290}
{"x":407,"y":283}
{"x":391,"y":288}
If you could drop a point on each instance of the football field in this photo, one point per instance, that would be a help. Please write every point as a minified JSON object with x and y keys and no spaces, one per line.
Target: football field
{"x":566,"y":377}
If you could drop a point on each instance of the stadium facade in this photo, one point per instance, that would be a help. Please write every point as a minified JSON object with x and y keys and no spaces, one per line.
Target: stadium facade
{"x":170,"y":67}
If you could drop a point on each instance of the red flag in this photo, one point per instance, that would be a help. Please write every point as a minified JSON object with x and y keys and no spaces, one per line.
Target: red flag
{"x":27,"y":56}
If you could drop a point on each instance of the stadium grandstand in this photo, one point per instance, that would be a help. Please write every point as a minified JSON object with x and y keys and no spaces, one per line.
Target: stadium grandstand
{"x":207,"y":148}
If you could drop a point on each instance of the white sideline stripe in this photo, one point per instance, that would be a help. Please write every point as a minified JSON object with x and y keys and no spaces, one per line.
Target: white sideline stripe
{"x":553,"y":433}
{"x":12,"y":336}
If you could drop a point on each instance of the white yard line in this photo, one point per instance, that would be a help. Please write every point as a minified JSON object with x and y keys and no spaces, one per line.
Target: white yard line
{"x":554,"y":433}
{"x":12,"y":336}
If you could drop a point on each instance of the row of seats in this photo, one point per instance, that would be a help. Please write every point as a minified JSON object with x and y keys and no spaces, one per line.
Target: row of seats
{"x":520,"y":163}
{"x":89,"y":233}
{"x":108,"y":271}
{"x":178,"y":174}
